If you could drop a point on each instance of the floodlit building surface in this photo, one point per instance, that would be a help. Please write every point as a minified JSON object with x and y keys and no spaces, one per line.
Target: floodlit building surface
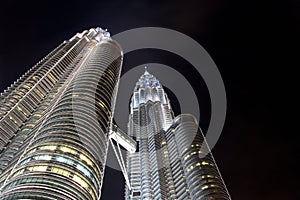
{"x":56,"y":125}
{"x":54,"y":121}
{"x":173,"y":160}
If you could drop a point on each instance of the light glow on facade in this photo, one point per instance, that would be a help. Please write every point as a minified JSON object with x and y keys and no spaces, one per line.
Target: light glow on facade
{"x":168,"y":164}
{"x":51,"y":146}
{"x":56,"y":125}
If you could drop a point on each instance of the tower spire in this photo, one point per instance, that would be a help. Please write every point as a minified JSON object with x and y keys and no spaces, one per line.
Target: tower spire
{"x":146,"y":71}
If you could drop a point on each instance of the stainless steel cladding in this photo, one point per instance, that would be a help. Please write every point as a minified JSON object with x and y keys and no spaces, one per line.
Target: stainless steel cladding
{"x":55,"y":121}
{"x":170,"y":163}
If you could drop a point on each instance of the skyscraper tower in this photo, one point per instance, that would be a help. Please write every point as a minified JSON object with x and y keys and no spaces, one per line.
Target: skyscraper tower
{"x":173,"y":160}
{"x":54,"y":121}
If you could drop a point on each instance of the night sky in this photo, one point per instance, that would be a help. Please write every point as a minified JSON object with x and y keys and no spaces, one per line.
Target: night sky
{"x":253,"y":43}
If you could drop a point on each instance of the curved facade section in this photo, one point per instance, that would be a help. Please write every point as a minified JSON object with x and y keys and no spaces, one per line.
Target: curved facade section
{"x":22,"y":100}
{"x":65,"y":158}
{"x":200,"y":171}
{"x":23,"y":118}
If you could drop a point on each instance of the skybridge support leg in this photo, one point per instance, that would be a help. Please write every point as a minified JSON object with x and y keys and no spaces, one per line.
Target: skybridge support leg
{"x":121,"y":162}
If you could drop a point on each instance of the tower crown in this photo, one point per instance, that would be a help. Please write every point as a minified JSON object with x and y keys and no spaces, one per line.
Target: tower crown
{"x":98,"y":34}
{"x":147,"y":80}
{"x":148,"y":88}
{"x":102,"y":34}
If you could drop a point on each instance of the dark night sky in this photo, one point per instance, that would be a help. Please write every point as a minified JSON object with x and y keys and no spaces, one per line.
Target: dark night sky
{"x":250,"y":41}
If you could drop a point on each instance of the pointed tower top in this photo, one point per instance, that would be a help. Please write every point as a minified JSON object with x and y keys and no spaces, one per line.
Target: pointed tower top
{"x":148,"y":88}
{"x":146,"y":72}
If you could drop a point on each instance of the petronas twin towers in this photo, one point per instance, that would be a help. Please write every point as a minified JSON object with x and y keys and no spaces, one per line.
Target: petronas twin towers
{"x":56,"y":123}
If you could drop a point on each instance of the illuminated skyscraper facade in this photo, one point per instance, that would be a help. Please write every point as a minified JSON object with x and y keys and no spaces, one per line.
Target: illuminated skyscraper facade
{"x":173,"y":161}
{"x":56,"y":125}
{"x":54,"y":121}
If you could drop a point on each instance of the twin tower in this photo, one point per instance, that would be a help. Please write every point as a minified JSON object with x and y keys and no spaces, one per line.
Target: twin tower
{"x":56,"y":123}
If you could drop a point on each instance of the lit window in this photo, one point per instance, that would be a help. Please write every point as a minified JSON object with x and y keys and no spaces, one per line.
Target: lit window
{"x":52,"y":78}
{"x":101,"y":103}
{"x":80,"y":181}
{"x":50,"y":147}
{"x":64,"y":160}
{"x":30,"y":125}
{"x":61,"y":159}
{"x":83,"y":169}
{"x":55,"y":170}
{"x":204,"y":187}
{"x":41,"y":168}
{"x":87,"y":160}
{"x":35,"y":78}
{"x":38,"y":168}
{"x":186,"y":157}
{"x":68,"y":150}
{"x":60,"y":171}
{"x":37,"y":115}
{"x":205,"y":163}
{"x":44,"y":157}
